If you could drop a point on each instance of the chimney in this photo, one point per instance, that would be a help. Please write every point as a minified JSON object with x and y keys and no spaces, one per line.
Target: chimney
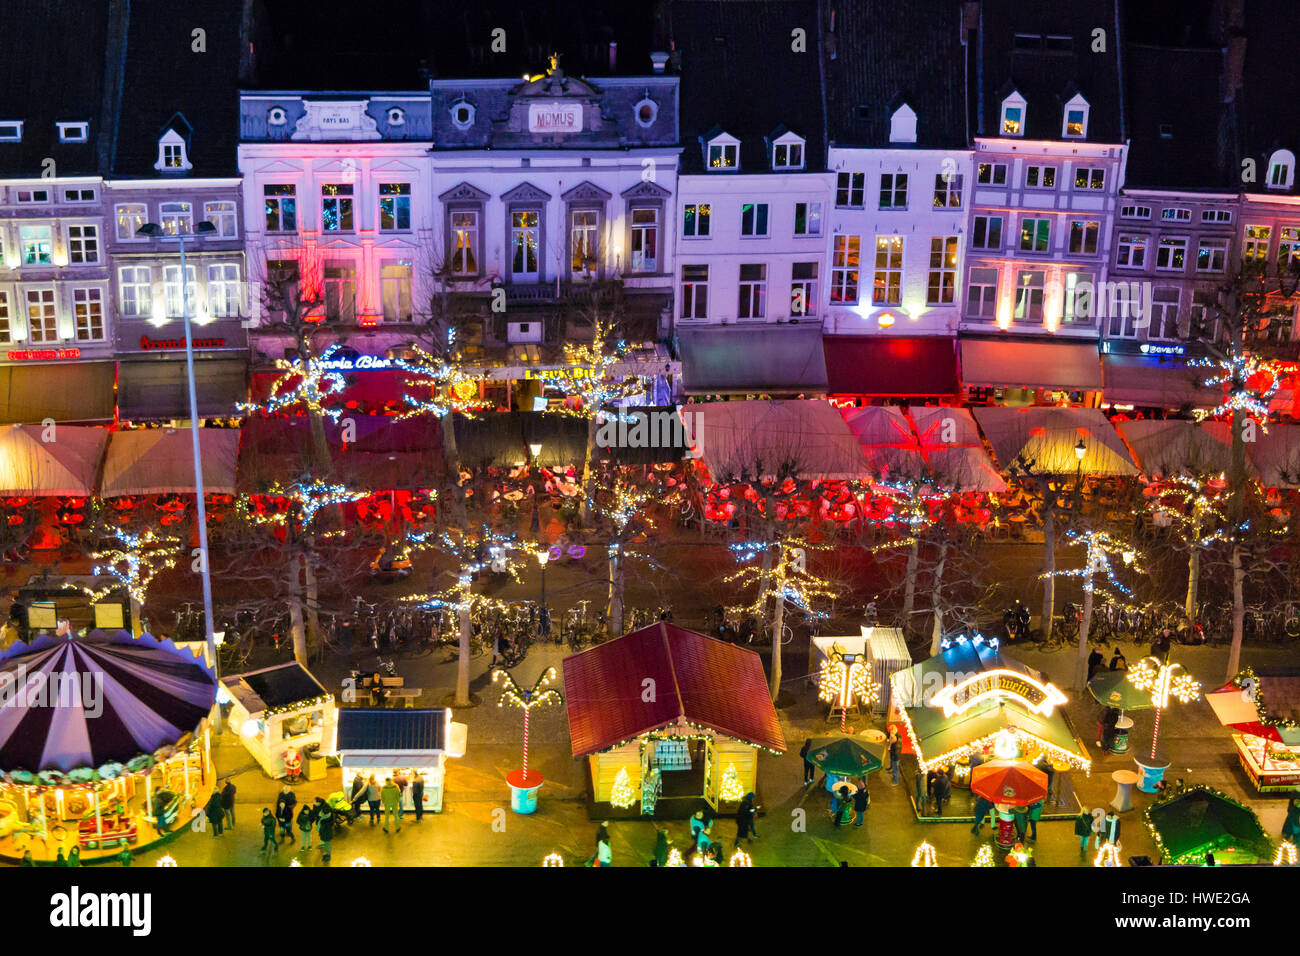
{"x":658,"y":61}
{"x":1233,"y":62}
{"x":970,"y":16}
{"x":613,"y":56}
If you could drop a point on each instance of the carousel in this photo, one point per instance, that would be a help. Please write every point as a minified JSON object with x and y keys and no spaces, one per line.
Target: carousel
{"x":104,"y":744}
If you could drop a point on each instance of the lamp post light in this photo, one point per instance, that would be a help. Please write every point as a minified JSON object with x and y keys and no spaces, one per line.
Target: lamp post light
{"x":152,"y":230}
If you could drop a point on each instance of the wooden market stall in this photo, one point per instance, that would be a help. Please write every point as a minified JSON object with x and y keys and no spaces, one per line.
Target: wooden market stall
{"x":668,"y":718}
{"x":402,"y":744}
{"x":280,"y":711}
{"x":1264,"y":709}
{"x":1199,"y":820}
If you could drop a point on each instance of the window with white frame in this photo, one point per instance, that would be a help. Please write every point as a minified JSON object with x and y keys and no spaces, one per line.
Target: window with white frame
{"x":942,"y":285}
{"x":37,"y":244}
{"x":280,"y":207}
{"x":223,"y":290}
{"x":1288,"y":249}
{"x":525,"y":244}
{"x":1089,"y":177}
{"x":991,"y":174}
{"x":1035,"y":234}
{"x":752,"y":303}
{"x":79,"y":195}
{"x":1077,"y":304}
{"x":11,"y":131}
{"x":83,"y":244}
{"x":42,"y":318}
{"x":753,"y":219}
{"x":1171,"y":253}
{"x":947,"y":190}
{"x":1211,"y":255}
{"x":887,"y":281}
{"x":1254,"y":249}
{"x":465,"y":242}
{"x":1164,"y":315}
{"x":172,"y":155}
{"x":850,"y":189}
{"x":1131,"y":251}
{"x":1216,"y":215}
{"x":695,"y":292}
{"x":1013,"y":116}
{"x":1176,"y":214}
{"x":1202,"y":316}
{"x":1074,"y":118}
{"x":645,"y":239}
{"x":788,"y":155}
{"x":803,"y":288}
{"x":6,"y":330}
{"x":982,"y":293}
{"x":1134,"y":211}
{"x":73,"y":132}
{"x":1040,"y":177}
{"x":1281,"y":169}
{"x":695,"y":220}
{"x":1084,"y":234}
{"x":176,"y":218}
{"x":394,"y":207}
{"x":807,"y":219}
{"x":336,"y":207}
{"x":340,"y":290}
{"x":846,"y":259}
{"x":1280,"y":323}
{"x":723,"y":153}
{"x":174,"y":296}
{"x":986,"y":232}
{"x":395,"y":278}
{"x":584,"y":250}
{"x":26,"y":197}
{"x":221,"y":214}
{"x":88,"y":313}
{"x":1124,"y":311}
{"x":134,"y":291}
{"x":893,"y":191}
{"x":130,"y":216}
{"x":1030,"y":287}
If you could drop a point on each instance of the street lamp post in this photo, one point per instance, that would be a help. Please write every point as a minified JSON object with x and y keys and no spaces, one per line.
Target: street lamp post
{"x":154,"y":231}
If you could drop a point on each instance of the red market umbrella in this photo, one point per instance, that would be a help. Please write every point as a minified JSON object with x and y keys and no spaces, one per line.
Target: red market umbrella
{"x":1009,"y":782}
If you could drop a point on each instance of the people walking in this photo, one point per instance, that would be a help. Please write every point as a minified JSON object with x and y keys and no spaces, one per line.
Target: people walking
{"x":809,"y":769}
{"x":228,"y":803}
{"x":400,"y":781}
{"x":1035,"y":814}
{"x":372,"y":798}
{"x":982,"y":807}
{"x":215,"y":812}
{"x":895,"y":752}
{"x":285,"y":806}
{"x":1020,"y":816}
{"x":1083,"y":830}
{"x":604,"y":855}
{"x":1291,"y":825}
{"x":325,"y":829}
{"x":391,"y":798}
{"x":269,"y":824}
{"x":662,"y":843}
{"x":942,"y":790}
{"x":1110,"y":829}
{"x":417,"y":796}
{"x":306,"y":820}
{"x":746,"y":814}
{"x":1096,"y":660}
{"x":861,"y":800}
{"x":697,"y":824}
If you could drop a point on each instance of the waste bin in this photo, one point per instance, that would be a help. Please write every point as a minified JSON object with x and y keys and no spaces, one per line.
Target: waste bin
{"x":315,"y":766}
{"x":1119,"y":741}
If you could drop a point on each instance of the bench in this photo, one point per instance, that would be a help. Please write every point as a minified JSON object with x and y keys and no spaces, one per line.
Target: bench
{"x":408,"y":695}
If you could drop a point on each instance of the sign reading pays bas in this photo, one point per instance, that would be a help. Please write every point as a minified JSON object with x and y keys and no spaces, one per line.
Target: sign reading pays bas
{"x":554,"y":118}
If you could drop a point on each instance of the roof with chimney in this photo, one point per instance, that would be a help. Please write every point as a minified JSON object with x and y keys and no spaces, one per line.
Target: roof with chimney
{"x":879,"y":55}
{"x":1268,"y":114}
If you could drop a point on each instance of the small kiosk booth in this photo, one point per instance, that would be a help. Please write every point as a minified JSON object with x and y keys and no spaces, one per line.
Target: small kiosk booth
{"x":402,"y":744}
{"x":1264,"y":709}
{"x":667,"y":718}
{"x":279,"y":711}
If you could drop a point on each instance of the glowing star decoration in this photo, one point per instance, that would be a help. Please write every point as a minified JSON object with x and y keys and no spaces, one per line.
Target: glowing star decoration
{"x":552,"y":859}
{"x":999,"y":684}
{"x":731,"y":790}
{"x":1163,"y":680}
{"x":166,"y":861}
{"x":1108,"y":855}
{"x":360,"y":861}
{"x":308,"y":384}
{"x":740,"y":858}
{"x":846,"y":678}
{"x":924,"y":856}
{"x":136,"y":561}
{"x":675,"y":858}
{"x":454,"y":390}
{"x":1006,"y":746}
{"x":540,"y":694}
{"x":984,"y":857}
{"x":622,"y":795}
{"x":293,"y":863}
{"x":1286,"y":854}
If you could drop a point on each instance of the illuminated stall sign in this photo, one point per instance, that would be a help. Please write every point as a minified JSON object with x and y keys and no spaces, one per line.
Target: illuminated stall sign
{"x":1001,"y":685}
{"x":41,"y":355}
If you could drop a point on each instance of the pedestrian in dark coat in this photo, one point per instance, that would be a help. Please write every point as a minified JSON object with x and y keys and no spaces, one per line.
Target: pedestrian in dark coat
{"x":1083,"y":830}
{"x":325,"y":828}
{"x":417,"y":795}
{"x":1035,"y":814}
{"x":306,"y":820}
{"x":228,"y":803}
{"x":843,"y":807}
{"x":1021,"y":816}
{"x":215,"y":812}
{"x":661,"y":847}
{"x":860,"y":800}
{"x":982,"y":807}
{"x":1096,"y":660}
{"x":895,"y":752}
{"x":745,"y":816}
{"x":285,"y":806}
{"x":942,"y":791}
{"x":1291,"y":826}
{"x":357,"y":793}
{"x":1110,"y":829}
{"x":809,"y":771}
{"x":268,"y":830}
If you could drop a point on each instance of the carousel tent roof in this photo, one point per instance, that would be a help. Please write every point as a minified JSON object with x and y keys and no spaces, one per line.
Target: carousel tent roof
{"x":1043,"y":438}
{"x":65,"y":466}
{"x":696,"y":678}
{"x":1201,"y":819}
{"x":749,"y":440}
{"x":117,"y":697}
{"x":273,"y":688}
{"x":160,"y":461}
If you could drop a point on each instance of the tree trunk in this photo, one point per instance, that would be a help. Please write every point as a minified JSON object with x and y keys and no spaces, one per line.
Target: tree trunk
{"x":1085,"y":624}
{"x":1238,"y":612}
{"x":137,"y":622}
{"x":1049,"y":566}
{"x":909,"y":586}
{"x":614,"y":608}
{"x":778,"y":624}
{"x":462,"y":659}
{"x":764,"y":583}
{"x":589,"y":471}
{"x":936,"y":597}
{"x":313,"y":602}
{"x":296,"y":627}
{"x":1193,"y":566}
{"x":451,"y":464}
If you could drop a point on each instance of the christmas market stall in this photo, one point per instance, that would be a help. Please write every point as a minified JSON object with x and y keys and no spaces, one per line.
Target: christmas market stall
{"x":1263,"y":708}
{"x":406,"y":745}
{"x":969,"y":704}
{"x":668,"y":720}
{"x":104,"y":743}
{"x":1191,"y":825}
{"x":283,"y":714}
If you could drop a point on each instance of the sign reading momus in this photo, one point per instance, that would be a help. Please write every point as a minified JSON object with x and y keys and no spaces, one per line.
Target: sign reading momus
{"x":1002,"y":684}
{"x":554,"y":118}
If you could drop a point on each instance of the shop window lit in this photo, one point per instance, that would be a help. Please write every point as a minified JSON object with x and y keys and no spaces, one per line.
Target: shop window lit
{"x":394,"y":207}
{"x":395,"y":279}
{"x":645,"y":240}
{"x":336,"y":207}
{"x":37,"y":245}
{"x":845,"y":262}
{"x":887,"y":281}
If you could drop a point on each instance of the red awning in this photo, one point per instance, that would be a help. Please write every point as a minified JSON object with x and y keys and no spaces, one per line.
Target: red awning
{"x":705,"y":681}
{"x":366,"y":390}
{"x":889,"y":365}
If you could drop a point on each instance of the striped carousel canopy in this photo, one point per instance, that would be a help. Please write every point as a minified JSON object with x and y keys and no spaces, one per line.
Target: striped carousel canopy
{"x":104,"y":699}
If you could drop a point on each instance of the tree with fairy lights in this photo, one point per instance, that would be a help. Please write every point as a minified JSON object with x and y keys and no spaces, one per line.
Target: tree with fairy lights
{"x":134,"y":559}
{"x":1244,"y":331}
{"x":622,"y":511}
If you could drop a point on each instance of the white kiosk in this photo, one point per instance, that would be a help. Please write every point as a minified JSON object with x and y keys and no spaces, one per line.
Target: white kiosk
{"x":401,"y":744}
{"x":278,"y":711}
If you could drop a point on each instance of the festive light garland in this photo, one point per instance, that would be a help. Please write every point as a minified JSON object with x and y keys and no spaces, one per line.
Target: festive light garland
{"x":1162,"y":680}
{"x":1241,"y":368}
{"x":1256,"y":686}
{"x":442,"y":378}
{"x":846,"y":681}
{"x":587,"y":373}
{"x":166,"y":861}
{"x":307,"y":497}
{"x":675,"y":858}
{"x":1285,"y":855}
{"x":788,"y":578}
{"x":984,"y":857}
{"x":316,"y":382}
{"x":622,"y":795}
{"x":1100,"y":548}
{"x":360,"y":861}
{"x":1203,"y":788}
{"x":141,"y":557}
{"x":740,"y":858}
{"x":539,"y":695}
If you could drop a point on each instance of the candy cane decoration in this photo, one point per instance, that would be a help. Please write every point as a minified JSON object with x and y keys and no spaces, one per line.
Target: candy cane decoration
{"x":512,"y":693}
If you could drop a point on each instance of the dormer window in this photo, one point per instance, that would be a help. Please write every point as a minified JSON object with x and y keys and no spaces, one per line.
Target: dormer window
{"x":1074,"y":121}
{"x":276,"y":116}
{"x":172,"y":156}
{"x":1013,"y":115}
{"x":647,"y":111}
{"x":902,"y":125}
{"x":462,"y":115}
{"x":787,"y":152}
{"x":73,"y":132}
{"x":11,"y":131}
{"x":396,"y":116}
{"x":723,"y":153}
{"x":1281,"y":169}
